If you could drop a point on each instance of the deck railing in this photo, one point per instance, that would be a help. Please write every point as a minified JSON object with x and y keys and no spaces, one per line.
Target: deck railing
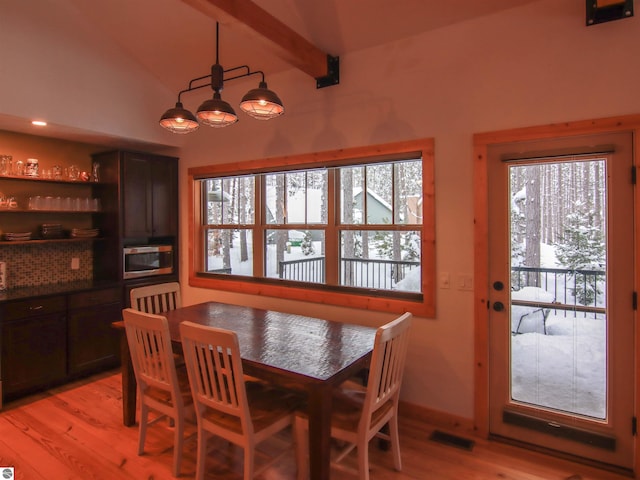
{"x":573,"y":290}
{"x":354,"y":272}
{"x":302,"y":270}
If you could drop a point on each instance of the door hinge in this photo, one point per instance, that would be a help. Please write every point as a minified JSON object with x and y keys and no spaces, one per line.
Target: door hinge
{"x":635,"y":301}
{"x":633,"y":175}
{"x":634,"y":426}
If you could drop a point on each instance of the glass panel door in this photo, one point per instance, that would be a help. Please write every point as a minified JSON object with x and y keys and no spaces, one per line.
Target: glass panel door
{"x":561,"y":324}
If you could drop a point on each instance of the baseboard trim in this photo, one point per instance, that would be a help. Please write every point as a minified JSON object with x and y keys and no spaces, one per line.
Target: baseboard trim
{"x":437,"y":418}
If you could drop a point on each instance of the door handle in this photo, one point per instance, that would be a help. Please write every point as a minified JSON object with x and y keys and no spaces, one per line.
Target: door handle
{"x":498,"y":306}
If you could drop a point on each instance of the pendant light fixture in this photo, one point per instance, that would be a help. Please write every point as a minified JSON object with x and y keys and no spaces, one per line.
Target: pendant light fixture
{"x":260,"y":103}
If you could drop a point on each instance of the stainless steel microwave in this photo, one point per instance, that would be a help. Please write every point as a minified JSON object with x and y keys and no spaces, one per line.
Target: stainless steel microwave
{"x":147,"y":261}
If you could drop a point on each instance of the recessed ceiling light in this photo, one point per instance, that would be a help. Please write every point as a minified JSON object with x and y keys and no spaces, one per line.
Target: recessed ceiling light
{"x":39,"y":123}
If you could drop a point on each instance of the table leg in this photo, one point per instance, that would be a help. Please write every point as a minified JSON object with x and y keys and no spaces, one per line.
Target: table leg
{"x":319,"y":431}
{"x":129,"y":385}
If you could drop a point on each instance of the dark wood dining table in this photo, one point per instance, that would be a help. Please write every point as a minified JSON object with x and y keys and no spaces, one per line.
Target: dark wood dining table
{"x":309,"y":353}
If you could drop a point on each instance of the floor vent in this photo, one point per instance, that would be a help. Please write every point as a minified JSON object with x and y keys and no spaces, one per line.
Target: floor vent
{"x":452,"y":440}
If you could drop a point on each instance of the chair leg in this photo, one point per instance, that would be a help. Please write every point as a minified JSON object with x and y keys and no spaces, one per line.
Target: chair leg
{"x":178,"y":441}
{"x":144,"y":420}
{"x":301,"y":432}
{"x":363,"y":458}
{"x":249,"y":462}
{"x":395,"y":442}
{"x":201,"y":455}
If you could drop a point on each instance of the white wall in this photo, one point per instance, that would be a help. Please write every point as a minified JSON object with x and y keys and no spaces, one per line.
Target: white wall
{"x":55,"y":66}
{"x":534,"y":65}
{"x":531,"y":65}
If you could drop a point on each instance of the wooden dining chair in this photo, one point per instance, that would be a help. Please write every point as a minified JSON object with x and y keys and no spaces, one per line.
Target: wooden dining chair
{"x":157,"y":298}
{"x":160,"y":388}
{"x":359,"y":414}
{"x":243,"y":413}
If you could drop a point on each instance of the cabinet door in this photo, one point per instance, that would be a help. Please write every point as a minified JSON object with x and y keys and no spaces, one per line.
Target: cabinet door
{"x":138,"y":197}
{"x":33,"y":353}
{"x":93,"y":344}
{"x":150,"y":203}
{"x":165,"y":197}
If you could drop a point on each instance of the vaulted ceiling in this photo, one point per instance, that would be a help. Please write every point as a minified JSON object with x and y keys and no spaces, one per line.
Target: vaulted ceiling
{"x":175,"y":39}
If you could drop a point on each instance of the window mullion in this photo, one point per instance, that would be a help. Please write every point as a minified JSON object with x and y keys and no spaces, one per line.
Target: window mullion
{"x":260,"y":205}
{"x":332,"y":233}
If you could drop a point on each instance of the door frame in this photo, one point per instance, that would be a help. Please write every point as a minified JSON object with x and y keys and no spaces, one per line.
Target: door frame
{"x":481,"y":141}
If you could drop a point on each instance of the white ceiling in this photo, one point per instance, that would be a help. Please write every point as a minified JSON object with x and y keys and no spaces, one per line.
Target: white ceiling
{"x":176,"y":43}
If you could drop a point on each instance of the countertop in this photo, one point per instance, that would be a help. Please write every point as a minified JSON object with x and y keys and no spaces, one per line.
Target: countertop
{"x":55,"y":289}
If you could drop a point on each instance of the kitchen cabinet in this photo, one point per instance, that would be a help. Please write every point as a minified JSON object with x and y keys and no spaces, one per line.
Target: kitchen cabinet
{"x":50,"y":340}
{"x":146,"y":204}
{"x":93,"y":344}
{"x":150,"y":196}
{"x":34,"y":344}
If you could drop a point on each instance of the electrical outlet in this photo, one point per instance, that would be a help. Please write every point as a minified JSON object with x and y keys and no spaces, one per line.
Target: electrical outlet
{"x":75,"y":263}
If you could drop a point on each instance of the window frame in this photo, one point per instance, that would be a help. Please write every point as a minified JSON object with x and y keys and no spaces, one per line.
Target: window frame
{"x":317,"y":293}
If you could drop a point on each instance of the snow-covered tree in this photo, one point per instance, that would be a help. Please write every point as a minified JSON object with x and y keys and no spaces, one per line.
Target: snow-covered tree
{"x":307,"y":244}
{"x":411,"y":246}
{"x":582,"y":247}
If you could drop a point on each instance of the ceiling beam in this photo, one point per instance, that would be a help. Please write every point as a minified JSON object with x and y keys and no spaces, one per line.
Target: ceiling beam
{"x":275,"y":35}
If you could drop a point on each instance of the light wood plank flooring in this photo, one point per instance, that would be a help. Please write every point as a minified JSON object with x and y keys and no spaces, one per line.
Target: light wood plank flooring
{"x":76,"y":432}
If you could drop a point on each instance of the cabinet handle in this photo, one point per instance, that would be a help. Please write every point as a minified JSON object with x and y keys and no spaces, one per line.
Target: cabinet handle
{"x":39,"y":307}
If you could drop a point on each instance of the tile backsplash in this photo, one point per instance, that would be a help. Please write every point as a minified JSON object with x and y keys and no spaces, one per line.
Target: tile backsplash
{"x":42,"y":264}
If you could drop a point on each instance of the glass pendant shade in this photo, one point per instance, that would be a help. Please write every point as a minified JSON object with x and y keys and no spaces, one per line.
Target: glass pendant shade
{"x":216,"y":112}
{"x":262,"y":103}
{"x":179,"y":120}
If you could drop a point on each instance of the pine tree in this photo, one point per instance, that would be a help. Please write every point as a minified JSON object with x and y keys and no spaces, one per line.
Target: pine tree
{"x":582,"y":248}
{"x":307,"y":244}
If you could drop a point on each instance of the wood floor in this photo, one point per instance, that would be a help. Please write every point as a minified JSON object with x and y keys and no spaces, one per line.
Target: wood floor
{"x":76,"y":432}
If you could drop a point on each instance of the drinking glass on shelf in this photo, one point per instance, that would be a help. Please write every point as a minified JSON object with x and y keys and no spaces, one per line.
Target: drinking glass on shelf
{"x":5,"y":164}
{"x":74,"y":172}
{"x":35,"y":203}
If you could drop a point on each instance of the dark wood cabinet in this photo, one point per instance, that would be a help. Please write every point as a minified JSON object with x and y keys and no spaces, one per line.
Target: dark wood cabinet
{"x":34,"y":344}
{"x":50,"y":340}
{"x":150,"y":196}
{"x":93,"y":344}
{"x":145,"y":209}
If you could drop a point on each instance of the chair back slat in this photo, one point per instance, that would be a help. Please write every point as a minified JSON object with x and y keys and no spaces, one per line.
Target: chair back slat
{"x":157,"y":298}
{"x":214,"y":366}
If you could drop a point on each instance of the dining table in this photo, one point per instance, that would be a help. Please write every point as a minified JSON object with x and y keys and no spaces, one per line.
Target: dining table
{"x":309,"y":354}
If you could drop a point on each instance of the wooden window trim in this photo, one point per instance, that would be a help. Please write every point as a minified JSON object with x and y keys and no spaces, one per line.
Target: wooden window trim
{"x":321,"y":294}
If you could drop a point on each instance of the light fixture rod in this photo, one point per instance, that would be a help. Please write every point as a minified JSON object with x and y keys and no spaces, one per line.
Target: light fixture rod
{"x":217,"y":41}
{"x":197,"y":87}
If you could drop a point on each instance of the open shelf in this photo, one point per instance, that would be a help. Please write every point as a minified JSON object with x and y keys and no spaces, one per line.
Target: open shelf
{"x":48,"y":240}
